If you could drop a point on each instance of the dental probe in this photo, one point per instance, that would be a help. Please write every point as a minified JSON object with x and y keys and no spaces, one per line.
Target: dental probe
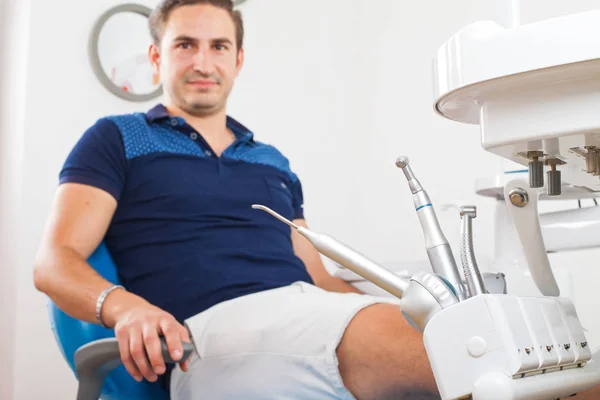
{"x":438,"y":249}
{"x":347,"y":257}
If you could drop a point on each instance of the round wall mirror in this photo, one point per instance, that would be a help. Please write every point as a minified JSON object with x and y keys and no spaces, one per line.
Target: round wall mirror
{"x":119,"y":53}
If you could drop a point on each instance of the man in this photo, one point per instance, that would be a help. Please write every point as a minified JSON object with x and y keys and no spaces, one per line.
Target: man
{"x":170,"y":193}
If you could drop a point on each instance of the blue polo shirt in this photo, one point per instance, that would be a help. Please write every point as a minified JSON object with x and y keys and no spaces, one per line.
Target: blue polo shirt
{"x":184,"y":235}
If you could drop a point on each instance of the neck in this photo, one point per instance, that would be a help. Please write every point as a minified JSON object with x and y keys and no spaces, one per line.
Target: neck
{"x":213,"y":125}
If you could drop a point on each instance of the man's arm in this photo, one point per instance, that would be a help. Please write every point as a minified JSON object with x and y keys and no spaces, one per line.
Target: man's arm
{"x":312,"y":260}
{"x":78,"y":222}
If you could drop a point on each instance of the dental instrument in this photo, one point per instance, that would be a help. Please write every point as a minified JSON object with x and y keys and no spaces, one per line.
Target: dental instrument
{"x":421,"y":296}
{"x":438,"y":249}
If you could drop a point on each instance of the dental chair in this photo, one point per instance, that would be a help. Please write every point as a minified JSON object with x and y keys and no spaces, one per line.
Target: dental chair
{"x":92,"y":351}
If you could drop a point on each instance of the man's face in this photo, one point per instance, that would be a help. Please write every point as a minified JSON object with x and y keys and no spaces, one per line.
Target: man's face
{"x":198,"y":59}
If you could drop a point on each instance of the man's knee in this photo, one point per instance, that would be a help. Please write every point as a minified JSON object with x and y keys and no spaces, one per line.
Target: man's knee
{"x":381,"y":355}
{"x":380,"y":332}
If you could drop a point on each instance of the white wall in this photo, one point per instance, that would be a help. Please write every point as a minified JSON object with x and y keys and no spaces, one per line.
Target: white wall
{"x":14,"y":18}
{"x":349,"y":90}
{"x":342,"y":88}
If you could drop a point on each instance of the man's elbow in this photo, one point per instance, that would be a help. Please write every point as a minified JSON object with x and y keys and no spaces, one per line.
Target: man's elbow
{"x":43,"y":271}
{"x":40,"y":275}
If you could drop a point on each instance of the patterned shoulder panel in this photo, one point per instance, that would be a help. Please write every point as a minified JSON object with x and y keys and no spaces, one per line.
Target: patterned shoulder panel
{"x":139,"y":138}
{"x":265,"y":154}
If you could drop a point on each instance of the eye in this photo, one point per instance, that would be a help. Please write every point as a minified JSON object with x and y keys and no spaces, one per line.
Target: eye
{"x":184,"y":45}
{"x":220,"y":47}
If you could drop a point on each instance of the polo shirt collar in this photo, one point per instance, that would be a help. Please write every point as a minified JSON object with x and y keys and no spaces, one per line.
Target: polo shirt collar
{"x":159,"y":113}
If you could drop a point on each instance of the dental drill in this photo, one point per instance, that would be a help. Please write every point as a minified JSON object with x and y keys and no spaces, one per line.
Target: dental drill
{"x":438,"y":249}
{"x":475,"y":285}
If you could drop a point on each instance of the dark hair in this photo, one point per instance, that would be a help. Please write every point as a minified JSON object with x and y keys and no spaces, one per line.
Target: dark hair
{"x":161,"y":13}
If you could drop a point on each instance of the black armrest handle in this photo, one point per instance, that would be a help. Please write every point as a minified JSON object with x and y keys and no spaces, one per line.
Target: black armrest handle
{"x":95,"y":360}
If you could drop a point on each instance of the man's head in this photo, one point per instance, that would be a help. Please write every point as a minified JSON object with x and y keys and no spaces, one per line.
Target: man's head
{"x":197,"y":50}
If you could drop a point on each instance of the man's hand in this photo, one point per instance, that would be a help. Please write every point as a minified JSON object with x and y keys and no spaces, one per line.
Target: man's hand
{"x":138,"y":326}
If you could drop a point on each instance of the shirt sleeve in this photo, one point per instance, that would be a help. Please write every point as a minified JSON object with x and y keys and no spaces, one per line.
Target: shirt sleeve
{"x":298,"y":200}
{"x":98,"y":159}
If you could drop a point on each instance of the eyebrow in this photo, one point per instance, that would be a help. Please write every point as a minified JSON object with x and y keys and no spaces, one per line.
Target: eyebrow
{"x":185,"y":38}
{"x":222,"y":41}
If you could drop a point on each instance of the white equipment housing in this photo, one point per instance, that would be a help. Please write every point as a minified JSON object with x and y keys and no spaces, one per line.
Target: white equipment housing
{"x":533,"y":89}
{"x":523,"y":339}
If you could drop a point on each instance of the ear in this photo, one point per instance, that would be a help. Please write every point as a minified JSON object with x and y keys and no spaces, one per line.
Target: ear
{"x":239,"y":62}
{"x":154,"y":57}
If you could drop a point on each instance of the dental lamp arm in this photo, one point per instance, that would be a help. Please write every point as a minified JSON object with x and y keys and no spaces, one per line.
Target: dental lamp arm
{"x":95,"y":360}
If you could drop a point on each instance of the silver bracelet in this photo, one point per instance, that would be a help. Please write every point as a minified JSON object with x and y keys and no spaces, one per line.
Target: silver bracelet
{"x":100,"y":302}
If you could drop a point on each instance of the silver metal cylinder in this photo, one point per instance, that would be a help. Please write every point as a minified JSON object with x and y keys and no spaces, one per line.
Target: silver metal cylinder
{"x":443,"y":264}
{"x":591,"y":160}
{"x":554,"y":183}
{"x":356,"y":262}
{"x":536,"y":174}
{"x":475,"y":285}
{"x":597,"y":157}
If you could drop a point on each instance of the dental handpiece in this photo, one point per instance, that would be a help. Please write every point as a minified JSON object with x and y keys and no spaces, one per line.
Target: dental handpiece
{"x":438,"y":250}
{"x":473,"y":278}
{"x":348,"y":257}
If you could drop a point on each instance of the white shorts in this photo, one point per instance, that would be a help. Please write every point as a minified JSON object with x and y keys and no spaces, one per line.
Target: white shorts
{"x":278,"y":344}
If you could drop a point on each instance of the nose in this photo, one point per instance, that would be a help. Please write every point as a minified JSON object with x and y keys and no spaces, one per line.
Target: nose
{"x":203,"y":61}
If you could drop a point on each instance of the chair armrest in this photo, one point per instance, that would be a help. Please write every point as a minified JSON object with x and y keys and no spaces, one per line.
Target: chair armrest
{"x":95,"y":360}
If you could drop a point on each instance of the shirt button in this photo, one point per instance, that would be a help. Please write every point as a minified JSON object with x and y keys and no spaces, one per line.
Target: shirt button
{"x":208,"y":153}
{"x":174,"y":122}
{"x":283,"y":185}
{"x":193,"y":136}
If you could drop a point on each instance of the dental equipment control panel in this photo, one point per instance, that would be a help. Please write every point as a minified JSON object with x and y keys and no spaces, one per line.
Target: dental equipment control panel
{"x":481,"y":345}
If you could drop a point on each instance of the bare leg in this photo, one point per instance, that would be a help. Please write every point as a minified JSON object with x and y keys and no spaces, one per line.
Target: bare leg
{"x":591,"y":394}
{"x":382,"y":357}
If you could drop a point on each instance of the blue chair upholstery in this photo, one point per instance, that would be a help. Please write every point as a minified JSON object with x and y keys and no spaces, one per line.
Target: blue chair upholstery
{"x":71,"y":334}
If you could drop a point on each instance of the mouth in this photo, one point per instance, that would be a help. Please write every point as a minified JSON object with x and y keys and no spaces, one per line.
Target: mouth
{"x":202,"y":84}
